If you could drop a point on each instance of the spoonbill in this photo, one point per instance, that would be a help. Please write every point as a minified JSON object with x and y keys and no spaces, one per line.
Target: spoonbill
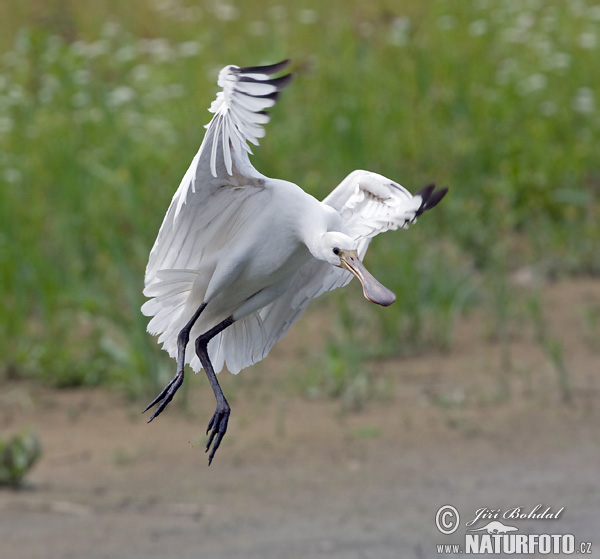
{"x":239,"y":256}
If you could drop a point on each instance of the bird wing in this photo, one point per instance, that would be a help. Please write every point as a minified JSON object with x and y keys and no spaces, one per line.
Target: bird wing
{"x":218,"y":194}
{"x":239,"y":115}
{"x":200,"y":204}
{"x":368,"y":204}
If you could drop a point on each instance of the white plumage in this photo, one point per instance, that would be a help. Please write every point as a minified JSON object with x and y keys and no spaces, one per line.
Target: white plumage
{"x":249,"y":252}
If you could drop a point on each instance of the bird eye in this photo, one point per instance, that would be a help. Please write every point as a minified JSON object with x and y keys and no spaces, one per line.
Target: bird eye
{"x":336,"y":250}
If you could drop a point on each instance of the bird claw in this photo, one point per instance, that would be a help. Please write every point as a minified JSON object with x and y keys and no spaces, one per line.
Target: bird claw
{"x":166,"y":395}
{"x":217,"y":427}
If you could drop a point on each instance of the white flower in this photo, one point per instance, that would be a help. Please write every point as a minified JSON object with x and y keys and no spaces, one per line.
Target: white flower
{"x":52,"y":51}
{"x":50,"y":85}
{"x":224,"y":11}
{"x":16,"y":94}
{"x":120,"y":95}
{"x":12,"y":175}
{"x":535,"y":82}
{"x":141,"y":72}
{"x":549,"y":21}
{"x":577,"y":7}
{"x":189,"y":48}
{"x":478,"y":28}
{"x":110,"y":29}
{"x":398,"y":34}
{"x":561,"y":60}
{"x":158,"y":48}
{"x":6,"y":124}
{"x":308,"y":17}
{"x":96,"y":49}
{"x":515,"y":35}
{"x":78,"y":48}
{"x":587,"y":40}
{"x":543,"y":46}
{"x":525,"y":20}
{"x":594,"y":13}
{"x":584,"y":101}
{"x":125,"y":53}
{"x":163,"y":5}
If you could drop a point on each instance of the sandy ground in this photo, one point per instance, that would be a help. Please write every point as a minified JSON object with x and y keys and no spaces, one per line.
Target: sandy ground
{"x":296,"y":478}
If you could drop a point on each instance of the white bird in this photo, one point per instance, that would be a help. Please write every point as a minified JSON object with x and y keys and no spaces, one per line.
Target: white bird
{"x":239,"y":255}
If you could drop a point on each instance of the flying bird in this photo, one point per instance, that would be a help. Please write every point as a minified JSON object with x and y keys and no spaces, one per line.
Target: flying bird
{"x":239,"y":255}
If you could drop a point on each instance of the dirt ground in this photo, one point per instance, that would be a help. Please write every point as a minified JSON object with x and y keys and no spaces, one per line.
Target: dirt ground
{"x":298,"y":478}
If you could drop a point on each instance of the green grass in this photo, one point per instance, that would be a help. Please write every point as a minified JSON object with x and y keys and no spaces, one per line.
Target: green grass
{"x":102,"y":107}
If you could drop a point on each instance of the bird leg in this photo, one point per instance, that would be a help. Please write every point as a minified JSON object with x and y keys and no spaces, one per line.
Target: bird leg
{"x":169,"y":391}
{"x":217,"y":426}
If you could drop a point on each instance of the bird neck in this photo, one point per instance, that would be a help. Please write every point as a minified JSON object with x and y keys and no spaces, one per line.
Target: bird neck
{"x":316,"y":245}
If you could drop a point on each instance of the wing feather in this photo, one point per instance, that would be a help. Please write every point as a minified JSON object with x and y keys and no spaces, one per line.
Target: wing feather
{"x":370,"y":204}
{"x":211,"y":201}
{"x":250,"y":339}
{"x":224,"y":151}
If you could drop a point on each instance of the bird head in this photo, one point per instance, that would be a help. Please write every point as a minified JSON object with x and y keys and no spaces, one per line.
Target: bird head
{"x":341,"y":251}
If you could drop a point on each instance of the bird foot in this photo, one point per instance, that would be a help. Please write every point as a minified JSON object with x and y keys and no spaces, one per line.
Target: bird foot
{"x":166,"y":395}
{"x":217,"y":427}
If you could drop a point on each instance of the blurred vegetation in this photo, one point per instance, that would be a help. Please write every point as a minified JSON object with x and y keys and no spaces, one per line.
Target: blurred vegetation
{"x":17,"y":456}
{"x":102,"y":107}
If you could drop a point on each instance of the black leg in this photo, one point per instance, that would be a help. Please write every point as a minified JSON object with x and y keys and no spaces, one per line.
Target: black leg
{"x":169,"y":391}
{"x":217,"y":426}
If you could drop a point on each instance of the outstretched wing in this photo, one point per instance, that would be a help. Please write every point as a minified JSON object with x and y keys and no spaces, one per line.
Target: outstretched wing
{"x":220,"y":191}
{"x":221,"y":160}
{"x":370,"y":204}
{"x":239,"y":115}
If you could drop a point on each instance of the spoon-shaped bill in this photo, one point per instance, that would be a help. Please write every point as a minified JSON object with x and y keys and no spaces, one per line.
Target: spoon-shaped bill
{"x":372,"y":289}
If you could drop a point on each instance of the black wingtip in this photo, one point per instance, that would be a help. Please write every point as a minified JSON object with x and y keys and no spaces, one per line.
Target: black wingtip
{"x":279,"y":83}
{"x":282,"y":81}
{"x":430,"y":197}
{"x":269,"y":69}
{"x":426,"y":191}
{"x":436,"y":197}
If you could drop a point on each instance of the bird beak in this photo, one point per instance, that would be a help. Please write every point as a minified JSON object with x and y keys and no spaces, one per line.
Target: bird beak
{"x":372,"y":289}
